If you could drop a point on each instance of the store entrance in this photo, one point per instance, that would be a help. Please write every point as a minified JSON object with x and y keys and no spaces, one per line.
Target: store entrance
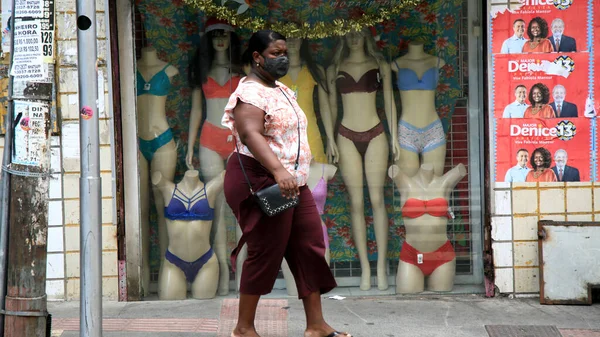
{"x":177,"y":120}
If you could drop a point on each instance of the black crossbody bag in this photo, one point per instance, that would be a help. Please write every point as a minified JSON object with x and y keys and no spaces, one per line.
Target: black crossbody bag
{"x":269,"y":199}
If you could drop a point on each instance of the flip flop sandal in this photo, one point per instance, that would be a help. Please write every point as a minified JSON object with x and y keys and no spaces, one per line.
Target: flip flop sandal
{"x":337,"y":333}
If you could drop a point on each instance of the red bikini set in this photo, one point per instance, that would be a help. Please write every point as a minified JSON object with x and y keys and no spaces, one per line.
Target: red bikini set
{"x":427,"y":262}
{"x":213,"y":137}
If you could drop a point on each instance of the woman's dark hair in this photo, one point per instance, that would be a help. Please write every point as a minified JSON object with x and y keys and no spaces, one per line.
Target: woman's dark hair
{"x":545,"y":155}
{"x":202,"y":61}
{"x":306,"y":56}
{"x":543,"y":27}
{"x":545,"y":93}
{"x":259,"y":41}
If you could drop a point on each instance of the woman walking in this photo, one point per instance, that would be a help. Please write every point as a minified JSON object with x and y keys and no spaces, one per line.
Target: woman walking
{"x":272,"y":147}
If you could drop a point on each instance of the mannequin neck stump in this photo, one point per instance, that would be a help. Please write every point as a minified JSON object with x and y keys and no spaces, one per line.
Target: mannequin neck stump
{"x":415,"y":50}
{"x":149,"y":56}
{"x":190,"y":181}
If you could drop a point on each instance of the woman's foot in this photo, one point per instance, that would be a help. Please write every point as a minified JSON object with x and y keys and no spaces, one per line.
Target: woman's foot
{"x":324,"y":331}
{"x":244,"y":332}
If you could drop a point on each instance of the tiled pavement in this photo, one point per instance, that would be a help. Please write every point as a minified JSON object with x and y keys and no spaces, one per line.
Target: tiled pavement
{"x":385,"y":316}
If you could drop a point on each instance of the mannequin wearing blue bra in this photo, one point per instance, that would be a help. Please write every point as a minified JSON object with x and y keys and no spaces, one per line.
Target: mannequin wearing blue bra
{"x":420,"y":131}
{"x":158,"y":152}
{"x":189,"y":213}
{"x":357,"y":72}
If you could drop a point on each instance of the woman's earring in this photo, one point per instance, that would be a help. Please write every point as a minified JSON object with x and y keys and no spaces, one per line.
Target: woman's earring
{"x":257,"y":64}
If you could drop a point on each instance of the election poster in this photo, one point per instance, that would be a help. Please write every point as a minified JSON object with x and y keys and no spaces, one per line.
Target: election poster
{"x":564,"y":144}
{"x":560,"y":78}
{"x":560,"y":24}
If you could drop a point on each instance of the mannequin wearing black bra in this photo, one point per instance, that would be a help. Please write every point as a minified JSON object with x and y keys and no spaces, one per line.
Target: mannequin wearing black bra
{"x":357,"y":72}
{"x":189,"y":212}
{"x":426,"y":251}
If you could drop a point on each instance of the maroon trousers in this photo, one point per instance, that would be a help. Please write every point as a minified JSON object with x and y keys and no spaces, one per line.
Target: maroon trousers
{"x":295,"y":234}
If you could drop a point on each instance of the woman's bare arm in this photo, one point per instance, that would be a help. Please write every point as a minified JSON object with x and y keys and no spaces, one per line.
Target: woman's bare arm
{"x":249,"y":123}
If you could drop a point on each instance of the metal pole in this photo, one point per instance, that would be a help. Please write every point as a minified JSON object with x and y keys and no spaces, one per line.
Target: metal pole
{"x":6,"y":160}
{"x":90,"y":185}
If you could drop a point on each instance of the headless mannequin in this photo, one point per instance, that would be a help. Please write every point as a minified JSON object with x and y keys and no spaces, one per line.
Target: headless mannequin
{"x":296,"y":66}
{"x":426,"y":233}
{"x":360,"y":114}
{"x":212,"y":163}
{"x":188,"y":240}
{"x":418,"y":109}
{"x":152,"y":123}
{"x":316,"y":172}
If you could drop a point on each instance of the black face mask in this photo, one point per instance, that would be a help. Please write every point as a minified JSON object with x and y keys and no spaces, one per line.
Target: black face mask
{"x":276,"y":67}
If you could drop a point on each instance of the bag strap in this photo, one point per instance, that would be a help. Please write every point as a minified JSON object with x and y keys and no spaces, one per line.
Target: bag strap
{"x":297,"y":157}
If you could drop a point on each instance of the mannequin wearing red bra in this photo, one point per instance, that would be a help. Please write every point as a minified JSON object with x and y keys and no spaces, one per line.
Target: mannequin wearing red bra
{"x":357,"y":72}
{"x":426,"y":251}
{"x":214,"y":74}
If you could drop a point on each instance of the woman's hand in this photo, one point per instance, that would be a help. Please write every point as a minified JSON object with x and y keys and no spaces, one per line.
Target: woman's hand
{"x":287,"y":183}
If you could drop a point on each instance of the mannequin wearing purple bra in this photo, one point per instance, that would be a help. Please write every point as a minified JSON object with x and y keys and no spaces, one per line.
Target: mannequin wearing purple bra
{"x":158,"y":152}
{"x":318,"y":176}
{"x":357,"y":72}
{"x":420,"y":132}
{"x":214,"y":74}
{"x":426,"y":252}
{"x":189,"y":257}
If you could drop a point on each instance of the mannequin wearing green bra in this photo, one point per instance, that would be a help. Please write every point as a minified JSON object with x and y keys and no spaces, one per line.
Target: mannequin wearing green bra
{"x":157,"y":147}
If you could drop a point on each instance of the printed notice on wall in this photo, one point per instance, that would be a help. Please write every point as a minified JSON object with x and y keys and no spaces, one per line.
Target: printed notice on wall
{"x":48,"y":31}
{"x":29,"y":8}
{"x":30,"y":133}
{"x":28,"y":60}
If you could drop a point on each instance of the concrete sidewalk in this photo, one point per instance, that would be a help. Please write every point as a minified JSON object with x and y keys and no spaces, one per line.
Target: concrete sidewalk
{"x":386,"y":316}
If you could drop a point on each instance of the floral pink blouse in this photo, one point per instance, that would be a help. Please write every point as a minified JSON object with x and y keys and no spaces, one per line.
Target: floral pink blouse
{"x":281,"y":123}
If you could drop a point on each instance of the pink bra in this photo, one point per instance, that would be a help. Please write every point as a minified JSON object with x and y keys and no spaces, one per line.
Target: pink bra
{"x":319,"y":193}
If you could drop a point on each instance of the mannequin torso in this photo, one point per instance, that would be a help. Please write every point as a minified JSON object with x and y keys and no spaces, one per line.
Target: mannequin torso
{"x":426,"y":251}
{"x":300,"y":79}
{"x":220,"y":74}
{"x":189,"y":238}
{"x":189,"y":228}
{"x":418,"y":101}
{"x":360,"y":111}
{"x":152,"y":119}
{"x":426,"y":232}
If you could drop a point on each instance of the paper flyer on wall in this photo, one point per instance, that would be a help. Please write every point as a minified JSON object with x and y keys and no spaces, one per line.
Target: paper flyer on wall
{"x":28,"y":63}
{"x":30,"y":132}
{"x":566,"y":140}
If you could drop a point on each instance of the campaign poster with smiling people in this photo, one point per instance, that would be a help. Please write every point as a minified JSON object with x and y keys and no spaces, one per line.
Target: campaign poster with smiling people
{"x":542,"y":26}
{"x":563,"y":144}
{"x":541,"y":86}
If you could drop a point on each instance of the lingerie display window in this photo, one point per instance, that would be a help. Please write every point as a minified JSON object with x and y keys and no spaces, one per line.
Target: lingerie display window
{"x":387,"y":129}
